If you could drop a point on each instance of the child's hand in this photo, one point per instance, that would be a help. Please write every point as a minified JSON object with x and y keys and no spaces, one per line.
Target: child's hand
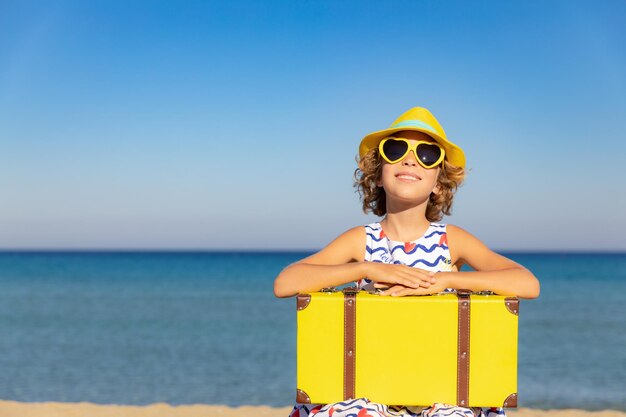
{"x":442,"y":282}
{"x":388,"y":275}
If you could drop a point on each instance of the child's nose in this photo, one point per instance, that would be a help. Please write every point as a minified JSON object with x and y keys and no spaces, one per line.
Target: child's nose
{"x":410,"y":159}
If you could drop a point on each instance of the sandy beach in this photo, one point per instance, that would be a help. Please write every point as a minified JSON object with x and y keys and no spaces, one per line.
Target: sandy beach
{"x":83,"y":409}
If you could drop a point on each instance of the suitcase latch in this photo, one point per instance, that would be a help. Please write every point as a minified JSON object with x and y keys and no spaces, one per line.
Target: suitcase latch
{"x":350,"y":291}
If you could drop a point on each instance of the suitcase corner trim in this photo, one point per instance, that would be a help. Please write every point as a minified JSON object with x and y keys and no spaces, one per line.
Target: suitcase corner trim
{"x":510,"y":401}
{"x":512,"y":304}
{"x":302,"y":397}
{"x":303,"y":301}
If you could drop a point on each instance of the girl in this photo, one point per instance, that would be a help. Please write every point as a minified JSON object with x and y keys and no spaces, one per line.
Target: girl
{"x":408,"y":174}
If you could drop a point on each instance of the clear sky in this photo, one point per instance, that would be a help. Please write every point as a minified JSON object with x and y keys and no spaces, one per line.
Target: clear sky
{"x":234,"y":125}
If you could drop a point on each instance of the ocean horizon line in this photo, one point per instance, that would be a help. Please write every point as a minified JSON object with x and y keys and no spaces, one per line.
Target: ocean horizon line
{"x":279,"y":251}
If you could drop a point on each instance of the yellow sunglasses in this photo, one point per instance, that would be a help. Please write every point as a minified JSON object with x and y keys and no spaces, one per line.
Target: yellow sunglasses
{"x":428,"y":154}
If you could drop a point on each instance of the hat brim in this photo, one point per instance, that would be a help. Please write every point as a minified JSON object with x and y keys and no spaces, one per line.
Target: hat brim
{"x":454,"y":154}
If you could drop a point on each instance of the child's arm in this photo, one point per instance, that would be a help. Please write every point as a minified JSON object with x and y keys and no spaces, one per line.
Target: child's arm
{"x":493,"y":272}
{"x":341,"y":262}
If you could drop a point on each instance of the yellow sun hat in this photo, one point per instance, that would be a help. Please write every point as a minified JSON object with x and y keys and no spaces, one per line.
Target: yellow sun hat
{"x":419,"y":119}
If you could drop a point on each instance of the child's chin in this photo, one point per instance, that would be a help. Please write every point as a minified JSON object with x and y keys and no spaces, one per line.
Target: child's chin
{"x":411,"y":198}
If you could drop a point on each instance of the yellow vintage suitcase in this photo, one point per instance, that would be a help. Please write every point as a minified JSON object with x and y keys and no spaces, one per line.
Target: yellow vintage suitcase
{"x":455,"y":348}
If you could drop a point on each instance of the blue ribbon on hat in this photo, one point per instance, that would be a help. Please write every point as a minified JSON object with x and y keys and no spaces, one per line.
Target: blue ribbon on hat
{"x":414,"y":123}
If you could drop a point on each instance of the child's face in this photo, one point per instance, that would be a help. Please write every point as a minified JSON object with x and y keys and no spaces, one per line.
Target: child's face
{"x":407,"y":180}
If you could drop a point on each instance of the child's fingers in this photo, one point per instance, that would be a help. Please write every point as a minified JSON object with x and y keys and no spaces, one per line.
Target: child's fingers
{"x":419,"y":277}
{"x":402,"y":274}
{"x":393,"y":290}
{"x":398,"y":276}
{"x":403,"y":291}
{"x":411,"y":282}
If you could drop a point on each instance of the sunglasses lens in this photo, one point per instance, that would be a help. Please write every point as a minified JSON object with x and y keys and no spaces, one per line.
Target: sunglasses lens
{"x":394,"y":150}
{"x":428,"y":154}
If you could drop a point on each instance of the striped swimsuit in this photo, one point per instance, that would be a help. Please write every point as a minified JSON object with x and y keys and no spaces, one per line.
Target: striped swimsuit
{"x":429,"y":252}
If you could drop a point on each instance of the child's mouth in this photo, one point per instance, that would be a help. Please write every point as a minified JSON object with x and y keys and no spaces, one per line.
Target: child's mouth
{"x":408,"y":177}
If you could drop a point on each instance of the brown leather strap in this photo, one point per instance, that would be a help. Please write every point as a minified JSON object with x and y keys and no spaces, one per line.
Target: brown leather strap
{"x":463,"y":355}
{"x":349,"y":342}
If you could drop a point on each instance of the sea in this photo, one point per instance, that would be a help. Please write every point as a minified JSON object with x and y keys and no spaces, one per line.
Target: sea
{"x":204,"y":327}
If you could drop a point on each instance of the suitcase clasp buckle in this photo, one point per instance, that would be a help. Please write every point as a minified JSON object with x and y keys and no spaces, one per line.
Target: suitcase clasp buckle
{"x":350,"y":291}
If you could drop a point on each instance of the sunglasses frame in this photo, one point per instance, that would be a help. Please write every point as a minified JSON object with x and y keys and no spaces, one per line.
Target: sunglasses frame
{"x":411,"y":147}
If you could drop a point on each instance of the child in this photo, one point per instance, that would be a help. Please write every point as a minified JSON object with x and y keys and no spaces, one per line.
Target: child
{"x":407,"y":173}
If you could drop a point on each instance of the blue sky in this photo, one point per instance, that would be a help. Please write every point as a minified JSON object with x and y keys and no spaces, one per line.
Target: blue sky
{"x":234,"y":125}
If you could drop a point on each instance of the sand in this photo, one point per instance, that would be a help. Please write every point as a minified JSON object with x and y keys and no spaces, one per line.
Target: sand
{"x":52,"y":409}
{"x":83,"y":409}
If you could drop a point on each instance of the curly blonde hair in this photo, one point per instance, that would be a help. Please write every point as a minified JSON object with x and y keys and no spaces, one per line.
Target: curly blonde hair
{"x":374,"y":199}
